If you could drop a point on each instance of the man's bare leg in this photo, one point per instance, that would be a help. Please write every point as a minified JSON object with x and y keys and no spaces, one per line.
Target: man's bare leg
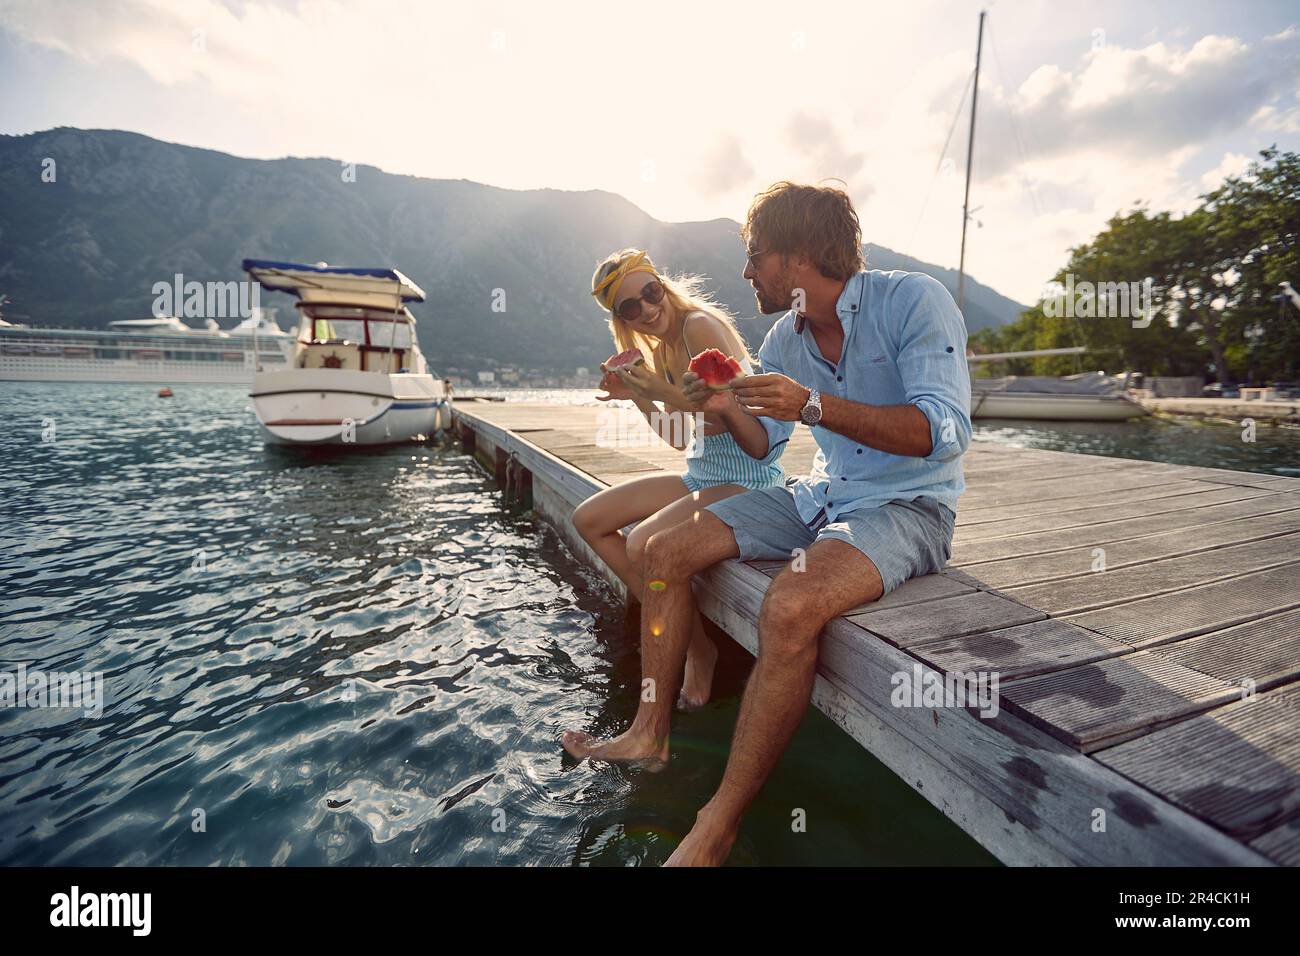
{"x":672,"y":557}
{"x":838,"y":577}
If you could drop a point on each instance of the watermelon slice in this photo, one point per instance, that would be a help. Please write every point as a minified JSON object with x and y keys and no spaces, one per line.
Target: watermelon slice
{"x":630,"y":357}
{"x":716,"y":369}
{"x":610,"y":378}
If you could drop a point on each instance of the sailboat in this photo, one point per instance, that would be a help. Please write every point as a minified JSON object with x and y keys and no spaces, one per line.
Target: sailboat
{"x":357,"y":375}
{"x":1086,"y":397}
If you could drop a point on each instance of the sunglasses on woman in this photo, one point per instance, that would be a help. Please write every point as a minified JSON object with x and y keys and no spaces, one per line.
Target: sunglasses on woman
{"x":629,"y":310}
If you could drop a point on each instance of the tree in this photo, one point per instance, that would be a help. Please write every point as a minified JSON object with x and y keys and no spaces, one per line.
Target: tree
{"x":1214,"y":279}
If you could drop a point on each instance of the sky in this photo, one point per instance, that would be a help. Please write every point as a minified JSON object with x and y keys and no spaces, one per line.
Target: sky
{"x":688,"y":109}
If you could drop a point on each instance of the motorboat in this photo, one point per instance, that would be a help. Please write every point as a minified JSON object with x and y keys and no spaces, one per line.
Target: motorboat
{"x":356,"y":374}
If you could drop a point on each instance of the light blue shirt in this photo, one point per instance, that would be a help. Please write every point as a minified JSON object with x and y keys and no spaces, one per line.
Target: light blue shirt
{"x":904,"y":343}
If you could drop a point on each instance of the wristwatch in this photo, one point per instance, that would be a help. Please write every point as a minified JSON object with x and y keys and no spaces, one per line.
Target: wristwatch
{"x":811,"y":413}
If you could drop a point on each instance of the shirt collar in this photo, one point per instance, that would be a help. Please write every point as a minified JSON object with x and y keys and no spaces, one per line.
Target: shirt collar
{"x":846,"y":306}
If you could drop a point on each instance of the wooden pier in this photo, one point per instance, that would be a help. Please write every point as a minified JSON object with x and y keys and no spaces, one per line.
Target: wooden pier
{"x":1143,"y":619}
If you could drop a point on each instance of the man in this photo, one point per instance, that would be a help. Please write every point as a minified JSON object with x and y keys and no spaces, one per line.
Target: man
{"x":875,"y":364}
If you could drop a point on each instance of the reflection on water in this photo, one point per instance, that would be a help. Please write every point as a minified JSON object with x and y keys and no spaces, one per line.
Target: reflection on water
{"x":354,"y":658}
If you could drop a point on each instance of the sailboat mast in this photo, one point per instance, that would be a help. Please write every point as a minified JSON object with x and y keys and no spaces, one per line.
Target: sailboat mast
{"x":970,"y":157}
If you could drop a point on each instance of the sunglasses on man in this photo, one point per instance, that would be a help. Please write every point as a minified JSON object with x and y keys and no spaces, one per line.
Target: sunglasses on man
{"x":629,"y":310}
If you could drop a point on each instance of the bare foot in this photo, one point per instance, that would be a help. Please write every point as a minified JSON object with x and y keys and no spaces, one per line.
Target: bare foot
{"x":629,"y":747}
{"x":697,"y":686}
{"x":708,"y":844}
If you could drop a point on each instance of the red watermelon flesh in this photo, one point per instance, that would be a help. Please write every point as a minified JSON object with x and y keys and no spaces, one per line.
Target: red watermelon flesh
{"x":716,"y":369}
{"x":630,"y":357}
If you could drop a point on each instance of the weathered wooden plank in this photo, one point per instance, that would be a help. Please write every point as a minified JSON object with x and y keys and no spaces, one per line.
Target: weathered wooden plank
{"x":1027,"y":544}
{"x":1044,"y":516}
{"x":1021,"y":650}
{"x":1058,"y":489}
{"x":971,"y":613}
{"x":999,"y":474}
{"x":1237,"y":766}
{"x":1100,"y":704}
{"x":1281,"y":844}
{"x":1102,"y":588}
{"x":1225,"y":476}
{"x":1118,"y":555}
{"x":1264,"y":652}
{"x":1192,"y":496}
{"x":1197,"y":610}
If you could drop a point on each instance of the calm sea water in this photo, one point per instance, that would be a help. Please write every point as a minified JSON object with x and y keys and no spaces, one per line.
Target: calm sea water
{"x":359,"y":659}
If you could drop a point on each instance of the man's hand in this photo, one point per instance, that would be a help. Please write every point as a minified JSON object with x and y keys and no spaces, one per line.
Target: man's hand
{"x":704,"y":398}
{"x":772,"y":395}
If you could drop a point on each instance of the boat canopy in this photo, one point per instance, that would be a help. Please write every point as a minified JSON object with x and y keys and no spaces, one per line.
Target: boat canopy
{"x":384,"y":289}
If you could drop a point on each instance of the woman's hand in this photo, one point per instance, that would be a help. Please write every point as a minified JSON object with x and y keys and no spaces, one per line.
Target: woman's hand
{"x":612,"y":384}
{"x":640,"y":381}
{"x":702,"y":397}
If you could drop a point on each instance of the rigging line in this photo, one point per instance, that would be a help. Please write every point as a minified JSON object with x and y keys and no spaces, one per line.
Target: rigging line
{"x":939,"y":166}
{"x":1015,"y":129}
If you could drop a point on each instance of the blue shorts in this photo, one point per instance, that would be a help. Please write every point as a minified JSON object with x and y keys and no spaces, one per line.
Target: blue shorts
{"x":720,"y":461}
{"x":903,"y":539}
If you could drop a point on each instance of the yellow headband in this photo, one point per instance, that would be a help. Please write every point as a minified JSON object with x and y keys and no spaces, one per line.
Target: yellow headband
{"x":640,"y":262}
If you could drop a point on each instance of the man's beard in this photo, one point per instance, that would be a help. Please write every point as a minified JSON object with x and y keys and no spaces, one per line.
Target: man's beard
{"x":769,"y":304}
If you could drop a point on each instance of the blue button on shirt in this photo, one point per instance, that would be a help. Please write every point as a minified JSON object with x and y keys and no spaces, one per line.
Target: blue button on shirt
{"x":904,"y":343}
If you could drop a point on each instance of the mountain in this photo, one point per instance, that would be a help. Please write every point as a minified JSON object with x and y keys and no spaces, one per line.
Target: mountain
{"x":125,"y":211}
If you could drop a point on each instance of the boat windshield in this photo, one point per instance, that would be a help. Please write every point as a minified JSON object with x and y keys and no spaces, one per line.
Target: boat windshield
{"x":375,"y":333}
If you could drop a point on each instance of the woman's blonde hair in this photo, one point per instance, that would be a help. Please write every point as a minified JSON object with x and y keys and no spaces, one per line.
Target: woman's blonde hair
{"x":685,"y":293}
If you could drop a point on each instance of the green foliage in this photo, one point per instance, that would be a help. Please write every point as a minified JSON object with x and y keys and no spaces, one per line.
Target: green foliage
{"x":1214,"y":273}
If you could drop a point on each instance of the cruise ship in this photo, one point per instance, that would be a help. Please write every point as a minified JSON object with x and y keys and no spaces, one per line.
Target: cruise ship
{"x":162,"y":350}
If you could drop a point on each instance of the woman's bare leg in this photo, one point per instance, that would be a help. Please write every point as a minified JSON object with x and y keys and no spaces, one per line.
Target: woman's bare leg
{"x":601,"y":518}
{"x":657,"y":501}
{"x":702,"y":655}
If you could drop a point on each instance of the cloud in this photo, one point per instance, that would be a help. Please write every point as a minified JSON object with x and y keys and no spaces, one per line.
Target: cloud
{"x":1129,"y":102}
{"x":1232,"y":164}
{"x":724,"y":168}
{"x":826,"y":154}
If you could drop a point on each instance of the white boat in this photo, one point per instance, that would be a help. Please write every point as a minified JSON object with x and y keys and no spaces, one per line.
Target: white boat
{"x":1087,"y":397}
{"x":159,"y":350}
{"x":357,"y":375}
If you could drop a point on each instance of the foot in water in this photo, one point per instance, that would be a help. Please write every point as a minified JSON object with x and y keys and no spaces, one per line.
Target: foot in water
{"x":697,"y":685}
{"x":708,"y":844}
{"x":629,"y":747}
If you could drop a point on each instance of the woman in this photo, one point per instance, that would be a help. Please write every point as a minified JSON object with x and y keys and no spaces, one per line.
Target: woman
{"x":669,"y":321}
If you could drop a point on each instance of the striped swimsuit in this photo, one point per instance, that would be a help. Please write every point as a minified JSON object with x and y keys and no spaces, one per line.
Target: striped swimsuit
{"x":713,"y":460}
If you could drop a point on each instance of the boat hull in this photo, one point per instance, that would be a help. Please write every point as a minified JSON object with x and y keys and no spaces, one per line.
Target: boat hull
{"x":1050,"y":407}
{"x":321,"y":407}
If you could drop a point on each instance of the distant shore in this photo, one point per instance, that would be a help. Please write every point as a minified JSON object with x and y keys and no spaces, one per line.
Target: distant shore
{"x":1231,"y":410}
